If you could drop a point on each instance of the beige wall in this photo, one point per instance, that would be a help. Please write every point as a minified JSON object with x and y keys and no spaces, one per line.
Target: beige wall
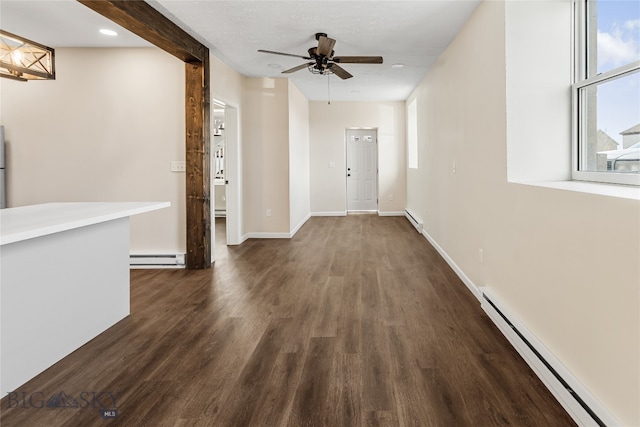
{"x":299,"y":198}
{"x":265,"y":148}
{"x":226,"y":83}
{"x":538,"y":53}
{"x":565,"y":263}
{"x":327,"y":144}
{"x":110,"y":124}
{"x":220,"y":199}
{"x":105,"y":130}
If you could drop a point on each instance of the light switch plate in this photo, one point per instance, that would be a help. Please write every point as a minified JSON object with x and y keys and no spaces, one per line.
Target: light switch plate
{"x":178,"y":166}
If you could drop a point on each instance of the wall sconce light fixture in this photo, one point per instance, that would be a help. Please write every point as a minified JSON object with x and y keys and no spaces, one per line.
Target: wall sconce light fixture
{"x":22,"y":59}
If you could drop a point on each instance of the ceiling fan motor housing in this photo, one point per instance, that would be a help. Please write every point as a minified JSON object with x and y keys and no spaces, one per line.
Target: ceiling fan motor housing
{"x":323,"y":60}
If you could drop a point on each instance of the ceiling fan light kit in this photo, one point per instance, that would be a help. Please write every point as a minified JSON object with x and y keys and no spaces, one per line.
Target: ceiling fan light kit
{"x":322,"y":61}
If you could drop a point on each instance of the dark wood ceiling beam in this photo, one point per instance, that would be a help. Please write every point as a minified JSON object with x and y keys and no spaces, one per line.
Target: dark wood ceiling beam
{"x":146,"y":22}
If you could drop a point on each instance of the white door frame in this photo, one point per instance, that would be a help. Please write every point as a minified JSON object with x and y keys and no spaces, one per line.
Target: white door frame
{"x":346,"y":158}
{"x":233,"y":174}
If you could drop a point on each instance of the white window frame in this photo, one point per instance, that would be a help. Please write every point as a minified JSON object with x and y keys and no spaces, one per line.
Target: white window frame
{"x":581,"y":80}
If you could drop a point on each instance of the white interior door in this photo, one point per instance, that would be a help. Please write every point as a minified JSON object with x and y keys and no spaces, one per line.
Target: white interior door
{"x":232,"y":174}
{"x":362,"y":170}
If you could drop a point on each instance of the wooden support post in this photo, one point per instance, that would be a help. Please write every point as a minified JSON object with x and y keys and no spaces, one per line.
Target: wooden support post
{"x":197,"y":113}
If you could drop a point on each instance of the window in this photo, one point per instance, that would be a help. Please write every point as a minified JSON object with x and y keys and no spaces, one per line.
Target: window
{"x":412,"y":135}
{"x":607,"y":91}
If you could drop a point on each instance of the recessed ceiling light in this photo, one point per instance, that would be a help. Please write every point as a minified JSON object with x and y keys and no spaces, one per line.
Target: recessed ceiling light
{"x":273,"y":65}
{"x":108,"y":32}
{"x":397,"y":66}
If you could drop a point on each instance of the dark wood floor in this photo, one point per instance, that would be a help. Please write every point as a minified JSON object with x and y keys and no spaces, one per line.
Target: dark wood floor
{"x":354,"y":322}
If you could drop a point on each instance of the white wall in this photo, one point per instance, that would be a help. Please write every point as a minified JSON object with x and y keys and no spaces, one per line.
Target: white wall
{"x":327,"y":144}
{"x":105,"y":130}
{"x":265,"y":151}
{"x":299,"y":197}
{"x":565,"y":263}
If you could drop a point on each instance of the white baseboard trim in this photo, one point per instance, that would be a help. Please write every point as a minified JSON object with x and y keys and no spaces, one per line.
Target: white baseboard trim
{"x":390,"y":213}
{"x":574,"y":397}
{"x":299,"y":226}
{"x":465,"y":279}
{"x":265,"y":235}
{"x":343,"y":213}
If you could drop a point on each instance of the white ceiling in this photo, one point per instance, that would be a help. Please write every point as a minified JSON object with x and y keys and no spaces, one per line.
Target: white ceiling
{"x":62,"y":23}
{"x":413,"y":33}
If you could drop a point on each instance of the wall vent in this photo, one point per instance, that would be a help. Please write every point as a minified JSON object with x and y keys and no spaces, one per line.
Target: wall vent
{"x":156,"y":260}
{"x":414,"y":220}
{"x":579,"y":403}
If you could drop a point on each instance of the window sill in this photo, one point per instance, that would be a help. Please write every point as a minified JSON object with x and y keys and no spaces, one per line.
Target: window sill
{"x":611,"y":190}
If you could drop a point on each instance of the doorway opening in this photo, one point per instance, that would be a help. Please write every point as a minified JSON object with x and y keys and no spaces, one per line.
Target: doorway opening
{"x":225,"y":176}
{"x":362,"y":170}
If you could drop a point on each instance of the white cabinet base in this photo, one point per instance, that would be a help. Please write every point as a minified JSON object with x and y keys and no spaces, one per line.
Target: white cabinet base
{"x":64,"y":279}
{"x":58,"y":292}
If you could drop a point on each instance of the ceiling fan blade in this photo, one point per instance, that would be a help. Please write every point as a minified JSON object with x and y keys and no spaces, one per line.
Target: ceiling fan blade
{"x":358,"y":59}
{"x":283,"y":54}
{"x":299,"y":67}
{"x":325,"y":45}
{"x":340,"y":72}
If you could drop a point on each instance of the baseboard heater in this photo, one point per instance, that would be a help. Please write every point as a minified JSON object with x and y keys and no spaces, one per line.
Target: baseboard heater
{"x":572,"y":395}
{"x":156,"y":260}
{"x":417,"y":223}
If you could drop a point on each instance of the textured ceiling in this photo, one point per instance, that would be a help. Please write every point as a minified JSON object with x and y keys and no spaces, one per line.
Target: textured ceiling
{"x":413,"y":33}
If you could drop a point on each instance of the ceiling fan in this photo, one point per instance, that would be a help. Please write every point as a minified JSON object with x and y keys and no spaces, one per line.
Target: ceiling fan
{"x":322,"y":60}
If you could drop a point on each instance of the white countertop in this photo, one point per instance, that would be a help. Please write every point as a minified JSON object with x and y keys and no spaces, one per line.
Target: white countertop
{"x":28,"y":222}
